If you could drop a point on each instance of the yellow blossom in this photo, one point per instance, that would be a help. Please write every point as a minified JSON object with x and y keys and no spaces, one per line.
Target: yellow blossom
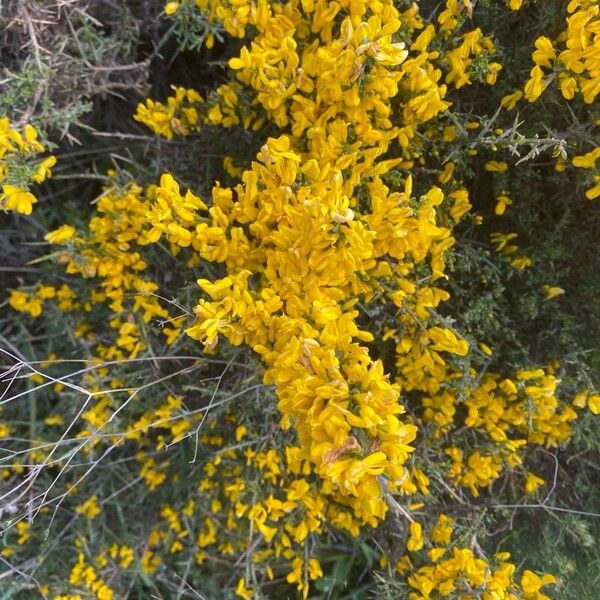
{"x":552,"y":291}
{"x":532,"y":482}
{"x":171,"y":8}
{"x":242,"y":591}
{"x":89,"y":508}
{"x":594,"y":403}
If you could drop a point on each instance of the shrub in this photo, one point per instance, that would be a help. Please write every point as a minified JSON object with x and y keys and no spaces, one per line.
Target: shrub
{"x":350,"y":358}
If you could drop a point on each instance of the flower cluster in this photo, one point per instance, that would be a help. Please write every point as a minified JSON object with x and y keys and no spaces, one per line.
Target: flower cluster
{"x":572,"y":59}
{"x":446,"y":567}
{"x":588,"y":161}
{"x":18,"y":167}
{"x":315,"y":204}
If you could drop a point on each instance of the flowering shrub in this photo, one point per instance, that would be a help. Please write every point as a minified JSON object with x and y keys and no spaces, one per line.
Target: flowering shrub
{"x":323,"y":283}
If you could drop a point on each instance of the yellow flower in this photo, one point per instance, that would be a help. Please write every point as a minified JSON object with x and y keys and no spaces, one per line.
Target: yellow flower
{"x":61,"y":235}
{"x":150,"y":562}
{"x":532,"y":482}
{"x":23,"y":532}
{"x":171,"y":8}
{"x":594,"y":191}
{"x":485,"y":349}
{"x":240,"y":432}
{"x":495,"y":166}
{"x":43,"y":169}
{"x":568,"y":87}
{"x":461,"y":204}
{"x":447,"y":341}
{"x":314,"y":569}
{"x":242,"y":591}
{"x":17,"y":199}
{"x":89,"y":508}
{"x":510,"y":101}
{"x":502,"y":201}
{"x":535,"y":84}
{"x":436,"y":553}
{"x":22,"y":302}
{"x":521,"y":262}
{"x":446,"y":174}
{"x":552,"y":291}
{"x":587,"y":161}
{"x":415,"y":541}
{"x":531,"y":583}
{"x":594,"y":403}
{"x":46,"y":292}
{"x":545,"y":53}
